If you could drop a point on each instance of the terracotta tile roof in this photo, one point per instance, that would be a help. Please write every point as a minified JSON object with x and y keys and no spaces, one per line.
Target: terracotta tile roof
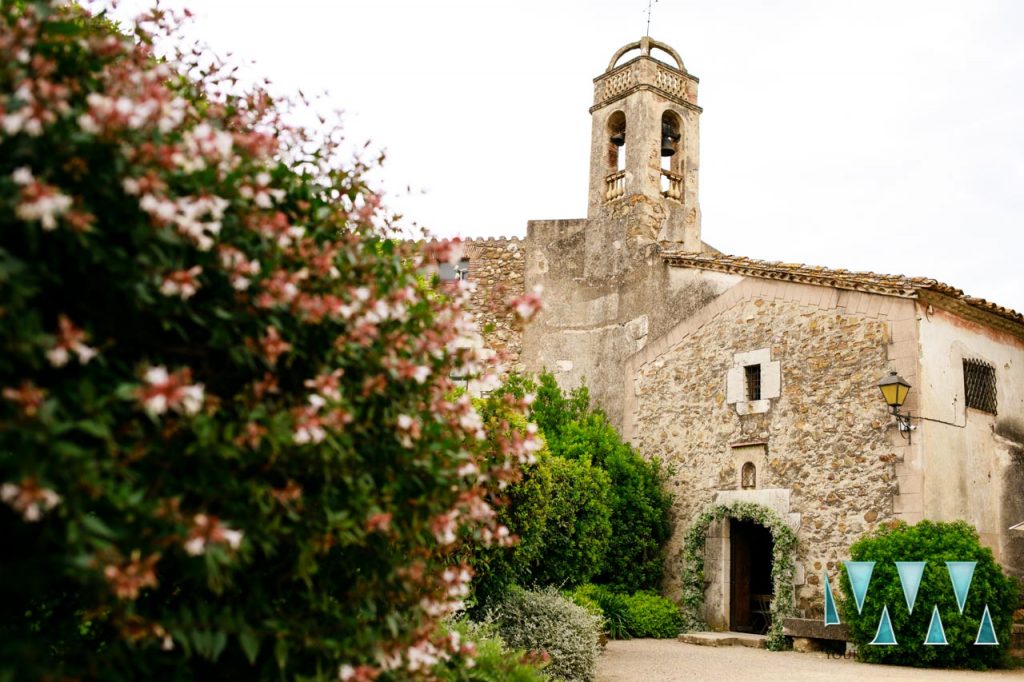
{"x":889,"y":285}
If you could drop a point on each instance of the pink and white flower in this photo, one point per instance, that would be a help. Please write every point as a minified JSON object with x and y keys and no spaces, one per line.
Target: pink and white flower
{"x":29,"y":499}
{"x":175,"y":392}
{"x":529,"y":304}
{"x":274,"y":346}
{"x":183,"y":283}
{"x":128,"y":578}
{"x":40,"y":202}
{"x":240,"y":269}
{"x":70,"y":339}
{"x":209,"y":530}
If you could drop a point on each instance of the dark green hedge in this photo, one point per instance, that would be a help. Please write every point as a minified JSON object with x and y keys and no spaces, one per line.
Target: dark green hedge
{"x":935,"y":543}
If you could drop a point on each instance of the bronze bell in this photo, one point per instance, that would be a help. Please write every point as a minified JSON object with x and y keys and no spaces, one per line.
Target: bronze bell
{"x":669,"y":139}
{"x":618,"y":139}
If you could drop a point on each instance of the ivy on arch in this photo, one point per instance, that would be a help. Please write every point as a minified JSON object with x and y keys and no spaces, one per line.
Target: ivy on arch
{"x":784,"y":546}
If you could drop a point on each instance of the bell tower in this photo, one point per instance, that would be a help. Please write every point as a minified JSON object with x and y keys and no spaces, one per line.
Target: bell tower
{"x":645,"y":143}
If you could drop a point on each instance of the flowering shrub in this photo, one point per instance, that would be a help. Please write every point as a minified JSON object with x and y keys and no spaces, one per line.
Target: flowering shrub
{"x":229,"y":446}
{"x":553,"y":628}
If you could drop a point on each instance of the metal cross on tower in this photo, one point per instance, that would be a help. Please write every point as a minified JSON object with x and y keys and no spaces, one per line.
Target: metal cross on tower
{"x":650,"y":4}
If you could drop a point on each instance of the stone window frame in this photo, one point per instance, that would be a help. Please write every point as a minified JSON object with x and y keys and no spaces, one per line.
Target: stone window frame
{"x":736,"y":381}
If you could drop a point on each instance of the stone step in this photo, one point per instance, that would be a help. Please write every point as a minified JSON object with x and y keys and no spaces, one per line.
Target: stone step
{"x":723,"y":639}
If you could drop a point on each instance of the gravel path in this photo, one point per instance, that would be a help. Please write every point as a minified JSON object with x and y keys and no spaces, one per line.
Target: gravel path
{"x":666,"y":660}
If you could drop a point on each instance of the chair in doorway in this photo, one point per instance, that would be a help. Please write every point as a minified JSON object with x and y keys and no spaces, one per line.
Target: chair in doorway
{"x":761,"y":612}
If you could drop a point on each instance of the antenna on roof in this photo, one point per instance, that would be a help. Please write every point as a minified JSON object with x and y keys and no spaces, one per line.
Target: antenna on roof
{"x":650,"y":3}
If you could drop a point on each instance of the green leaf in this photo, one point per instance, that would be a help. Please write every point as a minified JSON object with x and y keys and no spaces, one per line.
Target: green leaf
{"x":250,"y":645}
{"x":94,"y":428}
{"x":281,"y":653}
{"x":63,"y":28}
{"x":218,"y":641}
{"x":96,"y":527}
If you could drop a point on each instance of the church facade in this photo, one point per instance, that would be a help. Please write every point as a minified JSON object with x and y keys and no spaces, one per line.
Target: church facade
{"x":757,"y":382}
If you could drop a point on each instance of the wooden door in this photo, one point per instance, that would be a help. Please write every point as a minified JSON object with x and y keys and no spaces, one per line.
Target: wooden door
{"x":739,"y":578}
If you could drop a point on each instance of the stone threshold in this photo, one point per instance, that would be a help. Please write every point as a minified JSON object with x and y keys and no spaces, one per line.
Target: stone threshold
{"x":723,"y":639}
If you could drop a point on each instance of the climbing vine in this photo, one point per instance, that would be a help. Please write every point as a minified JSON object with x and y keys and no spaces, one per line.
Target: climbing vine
{"x":784,"y":545}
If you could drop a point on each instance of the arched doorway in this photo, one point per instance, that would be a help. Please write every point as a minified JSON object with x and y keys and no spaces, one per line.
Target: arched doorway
{"x":750,"y":576}
{"x":696,"y":583}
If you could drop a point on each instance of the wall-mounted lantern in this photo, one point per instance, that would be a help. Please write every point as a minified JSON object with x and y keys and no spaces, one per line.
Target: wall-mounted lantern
{"x":895,"y":389}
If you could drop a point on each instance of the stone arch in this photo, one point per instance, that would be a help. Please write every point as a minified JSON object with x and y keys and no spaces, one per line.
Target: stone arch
{"x":783,"y":566}
{"x":645,"y":45}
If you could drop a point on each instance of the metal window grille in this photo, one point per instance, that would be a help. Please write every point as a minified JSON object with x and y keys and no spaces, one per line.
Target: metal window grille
{"x":753,"y":373}
{"x":980,"y":385}
{"x":748,"y":476}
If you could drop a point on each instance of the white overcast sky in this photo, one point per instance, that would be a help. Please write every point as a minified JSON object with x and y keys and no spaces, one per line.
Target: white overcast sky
{"x":883,"y":135}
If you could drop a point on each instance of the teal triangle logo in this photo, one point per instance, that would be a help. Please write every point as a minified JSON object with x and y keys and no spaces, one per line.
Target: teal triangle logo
{"x":910,"y":580}
{"x":831,"y":615}
{"x":884,"y":636}
{"x":859,"y":573}
{"x":936,"y":633}
{"x":986,"y":632}
{"x":961,"y":573}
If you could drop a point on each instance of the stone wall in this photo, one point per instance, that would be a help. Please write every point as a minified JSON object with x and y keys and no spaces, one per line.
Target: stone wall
{"x":497,"y":268}
{"x":606,"y":293}
{"x":822,"y":446}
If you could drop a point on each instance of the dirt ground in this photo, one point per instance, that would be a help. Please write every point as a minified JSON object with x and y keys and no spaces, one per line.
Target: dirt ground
{"x":666,"y":660}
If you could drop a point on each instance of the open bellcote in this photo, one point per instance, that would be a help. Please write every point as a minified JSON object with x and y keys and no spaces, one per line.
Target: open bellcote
{"x":645,"y":140}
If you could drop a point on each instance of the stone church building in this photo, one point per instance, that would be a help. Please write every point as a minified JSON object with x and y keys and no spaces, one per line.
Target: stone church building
{"x":758,"y":381}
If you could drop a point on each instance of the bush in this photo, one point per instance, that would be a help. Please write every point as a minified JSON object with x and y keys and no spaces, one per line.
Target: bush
{"x":651,"y":615}
{"x":492,"y":660}
{"x":578,"y":596}
{"x":614,"y":609}
{"x":523,"y":508}
{"x":638,"y":503}
{"x":642,"y":614}
{"x":935,"y":543}
{"x":544,"y":621}
{"x":554,"y":410}
{"x":578,"y":524}
{"x":640,"y":523}
{"x":228,"y":446}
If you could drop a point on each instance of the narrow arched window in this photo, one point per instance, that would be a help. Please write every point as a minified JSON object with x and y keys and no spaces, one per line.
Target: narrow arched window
{"x":616,"y":142}
{"x":671,"y":155}
{"x":748,"y":476}
{"x":615,"y":179}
